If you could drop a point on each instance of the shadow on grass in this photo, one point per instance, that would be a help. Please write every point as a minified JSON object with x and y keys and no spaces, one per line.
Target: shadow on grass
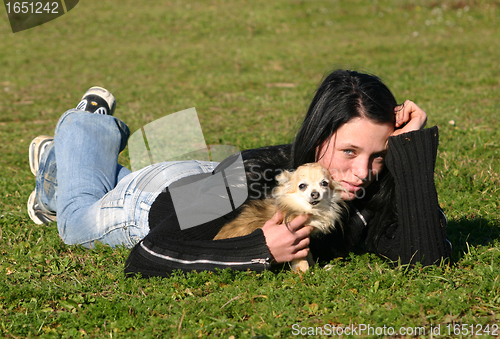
{"x":464,"y":233}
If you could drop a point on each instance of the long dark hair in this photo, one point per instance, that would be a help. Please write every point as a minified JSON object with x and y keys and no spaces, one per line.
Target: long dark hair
{"x":342,"y":96}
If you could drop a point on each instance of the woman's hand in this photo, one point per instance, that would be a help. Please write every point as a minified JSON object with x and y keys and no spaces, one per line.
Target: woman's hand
{"x":287,"y":242}
{"x":410,"y":117}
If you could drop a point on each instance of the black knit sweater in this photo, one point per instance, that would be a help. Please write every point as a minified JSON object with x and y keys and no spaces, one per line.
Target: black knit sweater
{"x":408,"y":228}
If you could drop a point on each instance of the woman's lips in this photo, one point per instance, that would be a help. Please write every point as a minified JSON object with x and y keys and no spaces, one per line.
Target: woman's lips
{"x":350,"y":187}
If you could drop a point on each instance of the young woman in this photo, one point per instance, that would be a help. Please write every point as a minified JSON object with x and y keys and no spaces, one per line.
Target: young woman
{"x":377,"y":150}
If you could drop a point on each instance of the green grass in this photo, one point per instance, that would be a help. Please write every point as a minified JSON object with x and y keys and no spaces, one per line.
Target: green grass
{"x":250,"y":69}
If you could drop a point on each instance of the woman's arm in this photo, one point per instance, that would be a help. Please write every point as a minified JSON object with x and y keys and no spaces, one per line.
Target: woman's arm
{"x":419,"y":234}
{"x":415,"y":230}
{"x":167,"y":248}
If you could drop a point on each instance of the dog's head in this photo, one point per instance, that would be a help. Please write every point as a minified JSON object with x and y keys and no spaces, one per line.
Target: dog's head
{"x":309,"y":187}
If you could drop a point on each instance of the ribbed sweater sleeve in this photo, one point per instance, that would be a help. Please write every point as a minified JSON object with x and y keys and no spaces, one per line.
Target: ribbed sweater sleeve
{"x":152,"y":259}
{"x":420,"y":235}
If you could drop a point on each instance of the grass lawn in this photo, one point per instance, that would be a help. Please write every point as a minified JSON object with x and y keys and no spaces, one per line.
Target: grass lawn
{"x":250,"y":68}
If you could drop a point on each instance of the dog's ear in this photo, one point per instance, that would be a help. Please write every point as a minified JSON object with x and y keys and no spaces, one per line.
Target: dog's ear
{"x":283,"y":177}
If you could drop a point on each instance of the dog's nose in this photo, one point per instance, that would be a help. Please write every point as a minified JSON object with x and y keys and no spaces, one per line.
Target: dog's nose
{"x":315,"y":195}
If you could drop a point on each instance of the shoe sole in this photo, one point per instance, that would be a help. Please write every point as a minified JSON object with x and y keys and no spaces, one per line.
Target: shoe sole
{"x":34,"y":151}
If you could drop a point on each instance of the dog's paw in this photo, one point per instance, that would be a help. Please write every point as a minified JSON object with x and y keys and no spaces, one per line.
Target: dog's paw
{"x":300,"y":265}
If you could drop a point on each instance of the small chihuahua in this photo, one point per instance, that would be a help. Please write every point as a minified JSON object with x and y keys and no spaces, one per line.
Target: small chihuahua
{"x":308,"y":190}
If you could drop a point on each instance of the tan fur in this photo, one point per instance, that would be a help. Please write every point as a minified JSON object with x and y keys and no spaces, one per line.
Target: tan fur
{"x":293,"y":201}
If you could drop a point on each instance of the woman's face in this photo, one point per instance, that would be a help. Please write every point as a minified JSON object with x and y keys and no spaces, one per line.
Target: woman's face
{"x":355,"y":153}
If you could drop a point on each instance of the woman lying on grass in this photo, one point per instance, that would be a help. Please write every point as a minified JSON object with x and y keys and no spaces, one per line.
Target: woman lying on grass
{"x":377,"y":150}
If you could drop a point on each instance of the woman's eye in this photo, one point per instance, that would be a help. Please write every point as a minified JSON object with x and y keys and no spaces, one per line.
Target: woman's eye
{"x":324,"y":183}
{"x":302,"y":187}
{"x":348,"y":151}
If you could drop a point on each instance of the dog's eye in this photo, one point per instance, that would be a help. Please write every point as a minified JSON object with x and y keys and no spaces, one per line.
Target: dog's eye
{"x":324,"y":183}
{"x":302,"y":187}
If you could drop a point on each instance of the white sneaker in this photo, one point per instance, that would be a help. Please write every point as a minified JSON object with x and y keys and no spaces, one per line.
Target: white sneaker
{"x":36,"y":149}
{"x":38,"y":215}
{"x":98,"y":100}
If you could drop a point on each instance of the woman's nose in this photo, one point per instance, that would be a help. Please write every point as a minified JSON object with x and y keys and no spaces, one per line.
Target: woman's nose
{"x":362,"y":169}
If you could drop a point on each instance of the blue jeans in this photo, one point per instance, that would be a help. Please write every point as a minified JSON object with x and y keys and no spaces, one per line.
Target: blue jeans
{"x":94,"y":197}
